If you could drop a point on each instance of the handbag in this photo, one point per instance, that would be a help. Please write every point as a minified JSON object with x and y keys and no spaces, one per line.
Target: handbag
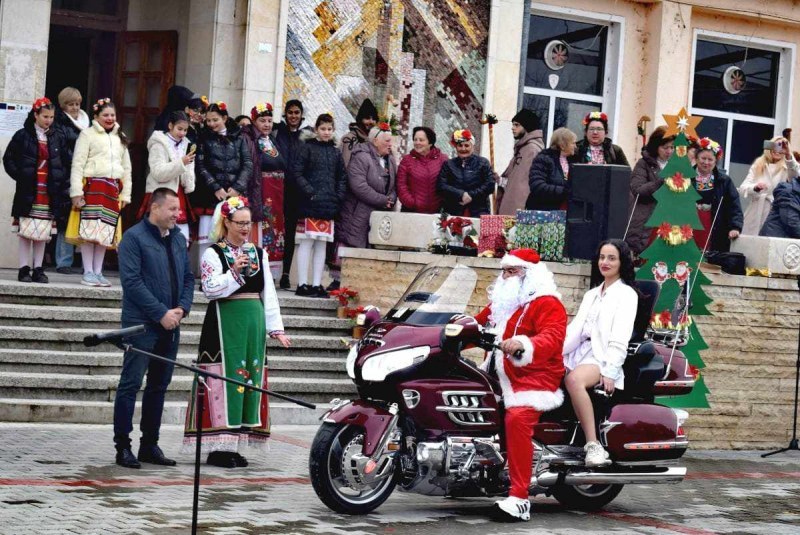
{"x":73,"y":227}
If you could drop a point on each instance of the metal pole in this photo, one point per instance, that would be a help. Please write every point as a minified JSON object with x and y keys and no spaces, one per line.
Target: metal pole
{"x":200,"y":395}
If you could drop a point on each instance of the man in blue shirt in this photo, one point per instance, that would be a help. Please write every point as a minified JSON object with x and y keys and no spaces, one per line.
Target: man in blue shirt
{"x":157,"y":290}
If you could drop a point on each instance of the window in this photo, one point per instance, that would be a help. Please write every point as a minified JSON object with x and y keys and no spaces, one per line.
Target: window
{"x":569,"y":67}
{"x":740,"y":89}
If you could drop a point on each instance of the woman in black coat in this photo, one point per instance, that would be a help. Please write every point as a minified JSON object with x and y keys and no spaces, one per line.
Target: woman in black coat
{"x":37,"y":159}
{"x":717,"y":192}
{"x":224,"y":165}
{"x":466,"y":181}
{"x":549,"y":175}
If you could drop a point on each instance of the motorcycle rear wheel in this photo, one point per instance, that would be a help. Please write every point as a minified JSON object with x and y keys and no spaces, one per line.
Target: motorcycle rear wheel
{"x":586,"y":497}
{"x":332,"y":446}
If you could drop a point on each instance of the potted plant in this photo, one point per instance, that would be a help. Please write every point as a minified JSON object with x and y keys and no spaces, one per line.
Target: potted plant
{"x":345,"y":296}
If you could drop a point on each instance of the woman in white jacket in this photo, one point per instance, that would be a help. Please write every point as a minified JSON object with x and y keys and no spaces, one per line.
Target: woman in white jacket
{"x":171,"y":162}
{"x":768,"y":170}
{"x":100,"y":186}
{"x":597,"y":338}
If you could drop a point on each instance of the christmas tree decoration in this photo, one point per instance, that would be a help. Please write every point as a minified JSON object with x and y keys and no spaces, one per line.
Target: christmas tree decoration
{"x":673,"y":257}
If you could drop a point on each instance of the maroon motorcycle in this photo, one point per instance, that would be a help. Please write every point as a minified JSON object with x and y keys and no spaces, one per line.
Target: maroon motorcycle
{"x":429,"y":421}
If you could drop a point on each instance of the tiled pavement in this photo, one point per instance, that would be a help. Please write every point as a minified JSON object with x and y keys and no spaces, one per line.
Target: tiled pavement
{"x":58,"y":479}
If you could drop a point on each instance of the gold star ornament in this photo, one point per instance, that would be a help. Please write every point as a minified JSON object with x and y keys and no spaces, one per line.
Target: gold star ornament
{"x":682,"y":122}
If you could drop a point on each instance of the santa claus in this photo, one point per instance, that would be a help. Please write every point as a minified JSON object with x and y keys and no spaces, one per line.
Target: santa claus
{"x":526,"y":314}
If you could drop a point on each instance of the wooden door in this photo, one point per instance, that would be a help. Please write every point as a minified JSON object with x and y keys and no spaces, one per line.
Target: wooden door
{"x":145,"y":71}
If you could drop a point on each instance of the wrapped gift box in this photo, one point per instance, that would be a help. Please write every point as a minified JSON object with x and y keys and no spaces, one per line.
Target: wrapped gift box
{"x":492,"y":235}
{"x":544,"y":231}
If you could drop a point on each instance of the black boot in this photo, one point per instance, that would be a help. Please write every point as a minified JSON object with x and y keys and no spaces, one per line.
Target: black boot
{"x":319,"y":291}
{"x":39,"y":276}
{"x":240,"y":460}
{"x":152,"y":454}
{"x":285,"y":284}
{"x":24,"y":274}
{"x":223,"y":459}
{"x":125,"y":458}
{"x":334,"y":285}
{"x":304,"y":290}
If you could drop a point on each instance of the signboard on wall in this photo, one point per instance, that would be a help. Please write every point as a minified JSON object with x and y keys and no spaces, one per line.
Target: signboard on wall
{"x":12,"y":117}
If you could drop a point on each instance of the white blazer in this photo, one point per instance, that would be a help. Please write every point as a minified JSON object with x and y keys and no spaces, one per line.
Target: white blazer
{"x":611,"y":332}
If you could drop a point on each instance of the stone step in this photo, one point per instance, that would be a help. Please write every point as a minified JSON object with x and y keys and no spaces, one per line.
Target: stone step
{"x":53,"y":339}
{"x":77,"y":295}
{"x":58,"y":387}
{"x":102,"y":412}
{"x":110,"y":363}
{"x":71,"y":317}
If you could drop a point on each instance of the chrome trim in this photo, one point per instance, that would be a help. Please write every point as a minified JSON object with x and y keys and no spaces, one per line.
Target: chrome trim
{"x":675,"y":383}
{"x":463,"y":407}
{"x":464,"y":393}
{"x":450,"y":408}
{"x":672,"y":444}
{"x":674,"y":474}
{"x":411,"y":398}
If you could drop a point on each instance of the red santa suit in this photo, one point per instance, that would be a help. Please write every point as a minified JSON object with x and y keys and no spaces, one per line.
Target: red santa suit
{"x":530,"y":384}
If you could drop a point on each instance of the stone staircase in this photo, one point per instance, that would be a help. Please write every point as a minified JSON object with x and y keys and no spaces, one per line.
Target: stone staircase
{"x":47,"y":375}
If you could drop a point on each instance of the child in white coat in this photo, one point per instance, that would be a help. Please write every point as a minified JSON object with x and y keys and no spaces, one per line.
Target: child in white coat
{"x":171,"y":161}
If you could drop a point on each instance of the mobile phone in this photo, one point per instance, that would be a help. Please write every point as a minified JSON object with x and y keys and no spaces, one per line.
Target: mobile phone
{"x":192,"y":148}
{"x":773,"y":145}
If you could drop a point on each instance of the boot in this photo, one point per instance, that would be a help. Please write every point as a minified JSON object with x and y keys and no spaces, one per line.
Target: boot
{"x":154,"y":455}
{"x":24,"y":274}
{"x":284,"y":283}
{"x":334,"y":285}
{"x":39,"y":276}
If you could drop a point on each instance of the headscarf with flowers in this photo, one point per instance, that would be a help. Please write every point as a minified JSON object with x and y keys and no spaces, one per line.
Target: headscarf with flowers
{"x":461,"y":136}
{"x":707,"y":143}
{"x":262,"y":109}
{"x":225,"y":210}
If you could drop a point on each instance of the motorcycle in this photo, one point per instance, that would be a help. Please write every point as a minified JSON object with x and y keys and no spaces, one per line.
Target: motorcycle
{"x":429,"y":421}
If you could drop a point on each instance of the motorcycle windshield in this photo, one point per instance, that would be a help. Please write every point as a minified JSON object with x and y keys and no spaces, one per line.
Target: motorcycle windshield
{"x":437,"y":292}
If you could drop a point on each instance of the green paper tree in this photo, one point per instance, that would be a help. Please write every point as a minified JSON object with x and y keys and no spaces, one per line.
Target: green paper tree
{"x":672,"y":258}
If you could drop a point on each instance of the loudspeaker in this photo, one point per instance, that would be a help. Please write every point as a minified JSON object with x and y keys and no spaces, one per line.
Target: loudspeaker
{"x":597,"y":208}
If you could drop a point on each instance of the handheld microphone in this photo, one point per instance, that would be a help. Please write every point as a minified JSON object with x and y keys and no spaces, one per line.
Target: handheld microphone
{"x":247,"y":270}
{"x":113,"y":336}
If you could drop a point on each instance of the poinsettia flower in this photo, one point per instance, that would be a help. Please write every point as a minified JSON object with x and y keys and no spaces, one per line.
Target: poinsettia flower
{"x":665,"y":318}
{"x":663,"y":230}
{"x":678,"y":180}
{"x":686,"y":232}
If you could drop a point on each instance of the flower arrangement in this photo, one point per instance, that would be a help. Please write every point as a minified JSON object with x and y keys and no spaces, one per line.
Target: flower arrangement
{"x":392,"y":124}
{"x":674,"y":234}
{"x":452,"y":232}
{"x":229,"y":206}
{"x":40,"y":103}
{"x":707,"y":143}
{"x":344,"y":295}
{"x":595,"y":116}
{"x":352,"y":313}
{"x":461,"y":136}
{"x":262,"y":108}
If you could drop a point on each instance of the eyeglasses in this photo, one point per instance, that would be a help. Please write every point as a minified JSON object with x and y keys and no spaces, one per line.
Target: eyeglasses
{"x":242,"y":224}
{"x":596,"y":129}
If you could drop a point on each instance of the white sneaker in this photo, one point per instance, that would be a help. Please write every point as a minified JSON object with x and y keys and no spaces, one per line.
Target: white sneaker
{"x":102,"y":281}
{"x":90,"y":279}
{"x":596,"y":455}
{"x":514,"y":509}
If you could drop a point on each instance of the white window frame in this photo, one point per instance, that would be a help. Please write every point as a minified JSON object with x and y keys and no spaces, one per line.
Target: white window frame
{"x":612,"y":71}
{"x":785,"y":82}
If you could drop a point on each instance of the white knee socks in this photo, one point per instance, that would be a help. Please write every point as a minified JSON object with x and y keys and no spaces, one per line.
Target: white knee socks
{"x":303,"y":249}
{"x":318,"y":263}
{"x":92,"y":258}
{"x":25,"y":252}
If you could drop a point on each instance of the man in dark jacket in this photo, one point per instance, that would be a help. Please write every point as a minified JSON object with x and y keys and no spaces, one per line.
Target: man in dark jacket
{"x":466,"y":181}
{"x":366,"y":118}
{"x":157,"y":290}
{"x":783,"y":220}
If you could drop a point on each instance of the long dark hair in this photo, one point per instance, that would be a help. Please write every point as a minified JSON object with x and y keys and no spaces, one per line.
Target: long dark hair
{"x":626,"y":272}
{"x":657,"y":138}
{"x":97,"y":109}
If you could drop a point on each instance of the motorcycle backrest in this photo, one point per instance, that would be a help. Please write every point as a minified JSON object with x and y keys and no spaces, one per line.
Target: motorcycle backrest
{"x":648,"y":295}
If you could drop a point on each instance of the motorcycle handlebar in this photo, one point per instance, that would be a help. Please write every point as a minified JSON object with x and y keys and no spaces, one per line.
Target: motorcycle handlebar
{"x":487,"y":343}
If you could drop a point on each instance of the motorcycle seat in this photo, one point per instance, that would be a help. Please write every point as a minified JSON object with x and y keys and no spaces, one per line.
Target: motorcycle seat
{"x":642,"y":369}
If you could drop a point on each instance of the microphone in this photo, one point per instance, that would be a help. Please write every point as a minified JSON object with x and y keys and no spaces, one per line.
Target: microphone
{"x":113,"y":336}
{"x":247,"y":270}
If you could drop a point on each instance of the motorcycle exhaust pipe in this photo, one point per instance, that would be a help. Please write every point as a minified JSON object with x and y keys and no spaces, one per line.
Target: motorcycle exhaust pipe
{"x":674,"y":474}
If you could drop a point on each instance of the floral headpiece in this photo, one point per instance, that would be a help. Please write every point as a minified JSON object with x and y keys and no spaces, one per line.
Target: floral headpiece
{"x":231,"y":205}
{"x":40,"y":103}
{"x":595,"y":116}
{"x":707,"y":143}
{"x":462,"y":136}
{"x":221,"y":105}
{"x":262,"y":108}
{"x":100,"y":103}
{"x":384,"y":127}
{"x":204,"y":100}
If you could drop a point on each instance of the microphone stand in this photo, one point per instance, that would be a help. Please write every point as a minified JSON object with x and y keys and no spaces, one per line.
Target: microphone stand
{"x":793,"y":443}
{"x":199,"y":399}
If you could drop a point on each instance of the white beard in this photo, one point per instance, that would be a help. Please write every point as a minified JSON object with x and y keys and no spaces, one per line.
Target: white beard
{"x":505,"y":296}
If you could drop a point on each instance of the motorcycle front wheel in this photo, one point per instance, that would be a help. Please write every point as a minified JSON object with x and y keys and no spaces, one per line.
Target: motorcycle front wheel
{"x":334,"y":475}
{"x":586,"y":497}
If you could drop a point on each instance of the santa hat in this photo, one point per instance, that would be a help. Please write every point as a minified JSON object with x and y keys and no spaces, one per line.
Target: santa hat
{"x":526,"y":258}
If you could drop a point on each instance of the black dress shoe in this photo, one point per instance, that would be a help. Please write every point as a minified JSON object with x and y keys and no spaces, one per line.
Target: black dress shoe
{"x":39,"y":276}
{"x":333,"y":285}
{"x":223,"y":459}
{"x":24,"y":274}
{"x":154,"y":455}
{"x":319,"y":291}
{"x":64,"y":270}
{"x":304,"y":290}
{"x":240,"y":460}
{"x":284,"y":283}
{"x":125,"y":458}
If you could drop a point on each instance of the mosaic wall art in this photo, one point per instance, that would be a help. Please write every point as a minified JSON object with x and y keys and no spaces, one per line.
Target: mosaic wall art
{"x":422,"y":60}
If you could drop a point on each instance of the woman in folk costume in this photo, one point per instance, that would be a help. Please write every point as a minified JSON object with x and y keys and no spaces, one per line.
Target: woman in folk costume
{"x":776,"y":165}
{"x":171,"y":160}
{"x":37,"y":160}
{"x":598,"y":336}
{"x":100,"y":186}
{"x":243,"y":311}
{"x":526,"y":314}
{"x":267,"y":184}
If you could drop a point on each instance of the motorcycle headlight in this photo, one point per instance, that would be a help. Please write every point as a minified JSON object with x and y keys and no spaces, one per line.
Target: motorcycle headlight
{"x":376,"y":368}
{"x":351,"y":361}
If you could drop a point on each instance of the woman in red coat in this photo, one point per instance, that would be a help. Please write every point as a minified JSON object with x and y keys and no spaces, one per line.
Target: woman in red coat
{"x":417,"y":174}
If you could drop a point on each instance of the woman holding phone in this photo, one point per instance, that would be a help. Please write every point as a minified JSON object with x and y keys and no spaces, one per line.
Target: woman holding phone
{"x":776,"y":165}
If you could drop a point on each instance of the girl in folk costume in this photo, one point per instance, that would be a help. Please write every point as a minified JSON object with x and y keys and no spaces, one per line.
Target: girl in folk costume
{"x":37,"y":158}
{"x":100,"y":186}
{"x":223,"y":166}
{"x":171,"y":160}
{"x":267,"y":184}
{"x":598,"y":336}
{"x":243,"y":311}
{"x":526,"y":313}
{"x":321,"y":180}
{"x":776,"y":165}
